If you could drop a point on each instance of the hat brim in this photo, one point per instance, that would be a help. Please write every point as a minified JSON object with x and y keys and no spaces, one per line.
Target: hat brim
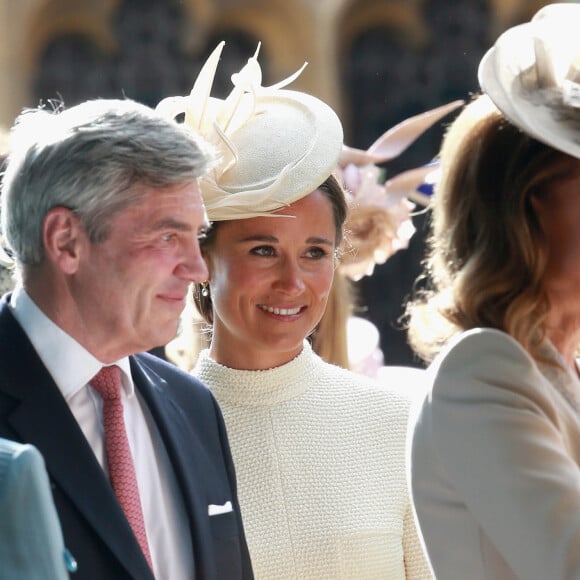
{"x":508,"y":75}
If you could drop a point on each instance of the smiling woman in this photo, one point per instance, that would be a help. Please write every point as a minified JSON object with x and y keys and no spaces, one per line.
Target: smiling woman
{"x":306,"y":436}
{"x":270,"y":279}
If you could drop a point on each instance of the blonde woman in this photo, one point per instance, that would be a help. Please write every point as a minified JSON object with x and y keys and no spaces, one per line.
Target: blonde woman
{"x":319,"y":450}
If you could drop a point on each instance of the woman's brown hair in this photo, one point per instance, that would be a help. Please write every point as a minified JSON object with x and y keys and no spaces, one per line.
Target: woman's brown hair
{"x":486,"y":252}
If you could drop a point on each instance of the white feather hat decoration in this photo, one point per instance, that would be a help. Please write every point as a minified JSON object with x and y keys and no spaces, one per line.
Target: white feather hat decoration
{"x":274,"y":145}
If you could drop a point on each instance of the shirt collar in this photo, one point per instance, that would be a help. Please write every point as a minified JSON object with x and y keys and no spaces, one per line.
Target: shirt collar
{"x":68,"y":362}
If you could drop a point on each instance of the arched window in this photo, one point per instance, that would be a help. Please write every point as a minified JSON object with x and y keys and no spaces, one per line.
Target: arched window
{"x":150,"y":61}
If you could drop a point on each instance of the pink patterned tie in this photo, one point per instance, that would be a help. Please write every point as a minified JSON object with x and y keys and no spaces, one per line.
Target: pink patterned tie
{"x":107,"y":382}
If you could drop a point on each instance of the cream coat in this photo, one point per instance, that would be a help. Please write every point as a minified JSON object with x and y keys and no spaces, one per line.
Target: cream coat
{"x":495,"y":454}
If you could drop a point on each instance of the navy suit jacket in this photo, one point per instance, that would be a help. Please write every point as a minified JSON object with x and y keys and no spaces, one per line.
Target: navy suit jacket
{"x":33,"y":410}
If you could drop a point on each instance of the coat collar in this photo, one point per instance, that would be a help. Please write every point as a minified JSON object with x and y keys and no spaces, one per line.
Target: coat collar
{"x":564,"y":378}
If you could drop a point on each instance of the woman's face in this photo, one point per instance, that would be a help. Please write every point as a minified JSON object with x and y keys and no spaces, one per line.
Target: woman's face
{"x":270,"y":278}
{"x":558,"y":211}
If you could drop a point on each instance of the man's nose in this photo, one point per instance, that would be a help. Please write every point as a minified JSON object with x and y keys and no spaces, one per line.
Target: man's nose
{"x":192,"y":266}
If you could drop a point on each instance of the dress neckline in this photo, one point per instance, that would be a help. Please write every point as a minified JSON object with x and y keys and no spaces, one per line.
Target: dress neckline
{"x":260,"y":387}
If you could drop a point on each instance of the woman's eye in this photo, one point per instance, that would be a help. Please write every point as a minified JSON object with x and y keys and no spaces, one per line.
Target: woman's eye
{"x":316,"y":253}
{"x":168,"y":237}
{"x":263,"y":251}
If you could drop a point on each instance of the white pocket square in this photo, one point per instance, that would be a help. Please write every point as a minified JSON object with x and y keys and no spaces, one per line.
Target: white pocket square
{"x":216,"y":510}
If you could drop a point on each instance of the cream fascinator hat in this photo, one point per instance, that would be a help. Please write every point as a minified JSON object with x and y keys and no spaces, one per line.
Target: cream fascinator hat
{"x":274,"y":146}
{"x":532,"y":74}
{"x":379,"y":222}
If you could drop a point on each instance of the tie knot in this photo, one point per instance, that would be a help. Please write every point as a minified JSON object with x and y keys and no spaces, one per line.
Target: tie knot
{"x":107,"y":382}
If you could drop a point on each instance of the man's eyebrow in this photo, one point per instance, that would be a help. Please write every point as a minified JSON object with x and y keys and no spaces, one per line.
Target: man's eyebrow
{"x":169,"y":224}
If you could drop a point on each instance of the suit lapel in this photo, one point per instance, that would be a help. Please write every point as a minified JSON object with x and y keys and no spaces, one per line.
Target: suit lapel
{"x":188,"y":457}
{"x":38,"y":414}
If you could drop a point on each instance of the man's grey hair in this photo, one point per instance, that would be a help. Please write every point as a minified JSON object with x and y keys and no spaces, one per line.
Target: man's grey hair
{"x":96,"y":159}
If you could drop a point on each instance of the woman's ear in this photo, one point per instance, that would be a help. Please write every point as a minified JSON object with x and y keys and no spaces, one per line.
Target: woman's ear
{"x":62,"y":235}
{"x":208,"y":262}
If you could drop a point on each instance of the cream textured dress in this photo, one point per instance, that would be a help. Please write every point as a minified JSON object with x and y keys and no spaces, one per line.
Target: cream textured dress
{"x":320,"y":460}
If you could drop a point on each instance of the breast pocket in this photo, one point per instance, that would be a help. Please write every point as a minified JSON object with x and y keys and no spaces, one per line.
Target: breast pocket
{"x":226,"y":539}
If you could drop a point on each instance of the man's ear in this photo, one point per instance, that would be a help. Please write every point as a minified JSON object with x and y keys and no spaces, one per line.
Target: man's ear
{"x":63,"y":236}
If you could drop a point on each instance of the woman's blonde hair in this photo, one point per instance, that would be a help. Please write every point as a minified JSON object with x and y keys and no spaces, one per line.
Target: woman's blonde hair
{"x":486,"y":253}
{"x":329,"y":340}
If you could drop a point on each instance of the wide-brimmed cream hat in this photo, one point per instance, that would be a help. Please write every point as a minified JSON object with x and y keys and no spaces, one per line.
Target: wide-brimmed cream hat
{"x":532,"y":74}
{"x":274,"y":145}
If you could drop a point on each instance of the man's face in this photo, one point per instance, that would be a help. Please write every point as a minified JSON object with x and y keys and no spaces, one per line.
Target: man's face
{"x":130,"y":290}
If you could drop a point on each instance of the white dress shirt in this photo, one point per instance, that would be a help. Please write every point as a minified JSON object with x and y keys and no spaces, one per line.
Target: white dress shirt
{"x":72,"y":367}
